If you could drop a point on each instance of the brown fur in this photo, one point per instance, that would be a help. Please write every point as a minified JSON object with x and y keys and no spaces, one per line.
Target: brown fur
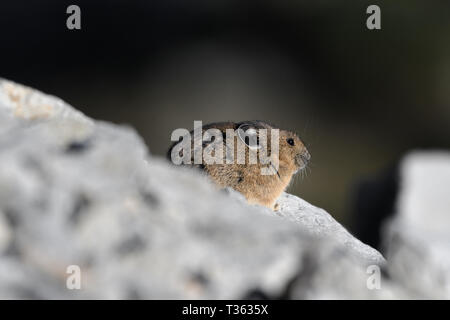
{"x":247,"y":178}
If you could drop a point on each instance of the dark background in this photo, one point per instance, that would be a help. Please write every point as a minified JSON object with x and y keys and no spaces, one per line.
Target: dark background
{"x":359,"y":98}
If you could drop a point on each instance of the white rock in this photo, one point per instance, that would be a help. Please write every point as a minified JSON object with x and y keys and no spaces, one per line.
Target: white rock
{"x":320,"y":223}
{"x":74,"y":191}
{"x":418,"y":238}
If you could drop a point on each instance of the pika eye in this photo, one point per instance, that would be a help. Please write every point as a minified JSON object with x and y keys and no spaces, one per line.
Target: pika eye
{"x":290,"y":141}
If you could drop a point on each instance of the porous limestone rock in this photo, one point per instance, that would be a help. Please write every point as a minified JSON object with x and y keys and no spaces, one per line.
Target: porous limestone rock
{"x":74,"y":191}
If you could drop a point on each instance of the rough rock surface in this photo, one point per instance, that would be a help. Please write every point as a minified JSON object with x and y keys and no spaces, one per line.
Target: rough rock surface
{"x":418,"y":237}
{"x":74,"y":191}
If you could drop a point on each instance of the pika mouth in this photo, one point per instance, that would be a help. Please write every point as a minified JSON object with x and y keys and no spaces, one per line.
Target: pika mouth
{"x":302,"y":159}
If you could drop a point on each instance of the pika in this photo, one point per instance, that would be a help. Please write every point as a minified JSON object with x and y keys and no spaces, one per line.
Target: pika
{"x":261,"y":181}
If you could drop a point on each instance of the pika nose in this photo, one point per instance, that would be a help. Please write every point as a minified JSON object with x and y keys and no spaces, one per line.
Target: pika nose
{"x":305,"y":156}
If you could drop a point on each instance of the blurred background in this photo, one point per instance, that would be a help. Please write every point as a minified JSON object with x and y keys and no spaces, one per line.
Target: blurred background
{"x":359,"y":98}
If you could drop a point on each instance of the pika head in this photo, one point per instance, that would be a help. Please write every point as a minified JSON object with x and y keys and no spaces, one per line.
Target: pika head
{"x":293,"y":153}
{"x":260,"y":182}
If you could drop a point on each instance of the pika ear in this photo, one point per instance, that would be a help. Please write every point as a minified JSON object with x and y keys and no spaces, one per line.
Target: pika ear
{"x":248,"y":133}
